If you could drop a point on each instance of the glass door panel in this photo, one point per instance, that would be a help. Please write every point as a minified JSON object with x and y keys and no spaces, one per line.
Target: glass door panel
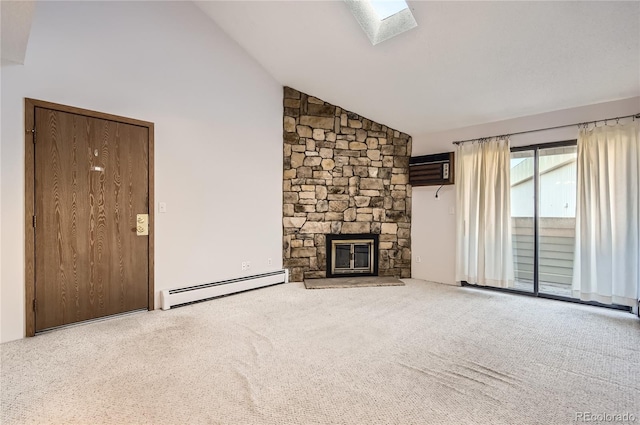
{"x":343,"y":256}
{"x":557,"y":219}
{"x":523,"y":218}
{"x":361,"y":255}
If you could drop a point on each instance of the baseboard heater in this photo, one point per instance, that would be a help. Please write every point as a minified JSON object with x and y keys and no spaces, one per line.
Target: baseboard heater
{"x":182,"y":296}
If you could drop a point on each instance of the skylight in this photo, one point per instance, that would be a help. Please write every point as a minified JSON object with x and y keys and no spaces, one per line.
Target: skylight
{"x":386,"y":8}
{"x":382,"y":19}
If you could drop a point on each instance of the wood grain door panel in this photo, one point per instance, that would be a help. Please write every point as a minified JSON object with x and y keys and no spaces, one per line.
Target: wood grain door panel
{"x":91,"y":179}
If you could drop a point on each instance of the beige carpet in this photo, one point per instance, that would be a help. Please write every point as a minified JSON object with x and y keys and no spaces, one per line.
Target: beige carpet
{"x":351,"y":282}
{"x":422,"y":353}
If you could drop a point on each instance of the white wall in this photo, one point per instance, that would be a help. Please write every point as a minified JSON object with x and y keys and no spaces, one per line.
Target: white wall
{"x":218,"y":133}
{"x":433,"y":234}
{"x":433,"y":228}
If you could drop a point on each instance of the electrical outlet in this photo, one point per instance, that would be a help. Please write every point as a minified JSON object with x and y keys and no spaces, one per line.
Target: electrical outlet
{"x":244,"y":266}
{"x":269,"y":261}
{"x":248,"y":265}
{"x":418,"y":259}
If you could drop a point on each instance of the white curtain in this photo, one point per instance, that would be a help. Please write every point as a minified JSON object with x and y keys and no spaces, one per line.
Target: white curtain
{"x":483,"y":190}
{"x":607,"y":259}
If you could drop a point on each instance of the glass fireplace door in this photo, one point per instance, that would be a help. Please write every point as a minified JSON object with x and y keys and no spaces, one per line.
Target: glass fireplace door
{"x":352,"y":256}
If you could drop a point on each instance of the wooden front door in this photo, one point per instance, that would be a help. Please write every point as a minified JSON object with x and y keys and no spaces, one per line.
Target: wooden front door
{"x":91,"y":182}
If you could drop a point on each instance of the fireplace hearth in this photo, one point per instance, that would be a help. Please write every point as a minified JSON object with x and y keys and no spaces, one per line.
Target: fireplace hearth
{"x":352,"y":255}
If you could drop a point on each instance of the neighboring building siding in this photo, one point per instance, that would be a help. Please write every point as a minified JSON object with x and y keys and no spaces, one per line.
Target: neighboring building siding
{"x":557,"y":189}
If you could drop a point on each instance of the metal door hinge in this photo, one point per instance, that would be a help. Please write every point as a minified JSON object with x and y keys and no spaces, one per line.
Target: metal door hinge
{"x":35,"y":305}
{"x":34,"y":221}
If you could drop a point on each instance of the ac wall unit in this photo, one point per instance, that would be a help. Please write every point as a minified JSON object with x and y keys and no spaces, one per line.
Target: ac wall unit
{"x":431,"y":170}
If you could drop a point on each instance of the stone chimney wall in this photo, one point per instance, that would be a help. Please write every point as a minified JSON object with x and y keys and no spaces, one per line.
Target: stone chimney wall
{"x":343,"y":174}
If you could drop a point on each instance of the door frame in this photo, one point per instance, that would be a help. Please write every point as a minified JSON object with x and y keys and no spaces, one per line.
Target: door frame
{"x":30,"y":106}
{"x":536,"y":210}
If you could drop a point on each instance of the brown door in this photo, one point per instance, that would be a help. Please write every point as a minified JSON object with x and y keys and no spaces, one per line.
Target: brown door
{"x":91,"y":181}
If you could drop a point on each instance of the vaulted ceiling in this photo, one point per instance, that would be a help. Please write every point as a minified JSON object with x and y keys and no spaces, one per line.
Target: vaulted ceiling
{"x":15,"y":28}
{"x":466,"y":63}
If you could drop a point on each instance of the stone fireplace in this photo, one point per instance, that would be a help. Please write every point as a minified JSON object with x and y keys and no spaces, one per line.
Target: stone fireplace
{"x":345,"y":178}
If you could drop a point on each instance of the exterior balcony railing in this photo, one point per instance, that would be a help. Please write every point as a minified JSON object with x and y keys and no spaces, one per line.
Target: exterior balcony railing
{"x":556,"y":250}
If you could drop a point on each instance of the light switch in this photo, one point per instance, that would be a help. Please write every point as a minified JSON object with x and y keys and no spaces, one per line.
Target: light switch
{"x":162,"y":207}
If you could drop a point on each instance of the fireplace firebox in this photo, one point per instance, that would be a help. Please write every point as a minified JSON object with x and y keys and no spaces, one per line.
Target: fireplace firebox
{"x":352,"y":255}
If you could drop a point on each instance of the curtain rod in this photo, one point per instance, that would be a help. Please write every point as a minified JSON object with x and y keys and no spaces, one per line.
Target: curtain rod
{"x":545,"y":129}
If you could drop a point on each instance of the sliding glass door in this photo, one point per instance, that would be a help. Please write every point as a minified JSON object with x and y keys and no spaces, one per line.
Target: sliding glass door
{"x":543,"y":206}
{"x":523,"y":218}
